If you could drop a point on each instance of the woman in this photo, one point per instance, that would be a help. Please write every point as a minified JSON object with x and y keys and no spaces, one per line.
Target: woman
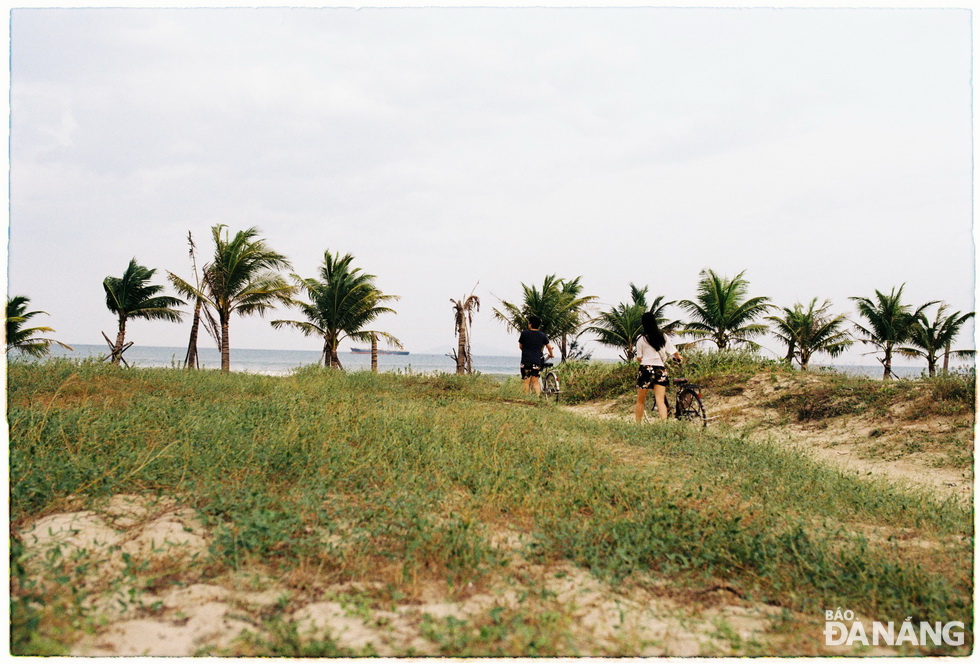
{"x":652,"y":350}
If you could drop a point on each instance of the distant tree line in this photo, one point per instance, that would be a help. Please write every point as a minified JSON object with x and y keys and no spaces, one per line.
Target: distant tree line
{"x":243,"y":277}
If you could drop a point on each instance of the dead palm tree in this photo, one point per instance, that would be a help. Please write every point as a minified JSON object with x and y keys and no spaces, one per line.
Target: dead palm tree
{"x":191,"y":359}
{"x":463,"y":313}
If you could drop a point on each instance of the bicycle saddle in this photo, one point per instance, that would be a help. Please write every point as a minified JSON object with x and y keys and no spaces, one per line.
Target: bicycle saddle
{"x":680,"y":381}
{"x":547,"y":365}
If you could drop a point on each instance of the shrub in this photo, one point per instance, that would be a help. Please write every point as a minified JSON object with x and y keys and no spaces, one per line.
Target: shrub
{"x":955,"y":386}
{"x":587,"y":381}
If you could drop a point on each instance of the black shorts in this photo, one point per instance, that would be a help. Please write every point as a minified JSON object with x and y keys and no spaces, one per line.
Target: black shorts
{"x":529,"y":369}
{"x":651,"y":375}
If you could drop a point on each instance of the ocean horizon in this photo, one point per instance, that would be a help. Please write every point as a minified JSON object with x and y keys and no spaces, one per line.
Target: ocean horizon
{"x":283,"y":362}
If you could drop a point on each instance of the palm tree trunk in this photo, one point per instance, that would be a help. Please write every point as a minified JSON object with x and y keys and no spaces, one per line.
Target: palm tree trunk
{"x":225,"y":347}
{"x":887,"y":362}
{"x":190,"y":360}
{"x":946,"y":357}
{"x":120,"y":340}
{"x":461,"y":349}
{"x":330,"y":357}
{"x":374,"y":353}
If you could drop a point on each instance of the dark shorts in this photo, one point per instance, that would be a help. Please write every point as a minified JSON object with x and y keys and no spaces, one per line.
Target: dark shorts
{"x":529,"y":369}
{"x":650,"y":376}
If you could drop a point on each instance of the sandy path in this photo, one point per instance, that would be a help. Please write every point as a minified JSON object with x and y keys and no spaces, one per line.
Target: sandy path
{"x":839,"y":442}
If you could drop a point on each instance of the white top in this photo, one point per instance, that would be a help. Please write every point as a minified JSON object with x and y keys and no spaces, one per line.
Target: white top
{"x":647,"y":356}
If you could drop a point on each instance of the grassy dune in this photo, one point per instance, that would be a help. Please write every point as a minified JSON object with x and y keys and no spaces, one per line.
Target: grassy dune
{"x":325,"y":477}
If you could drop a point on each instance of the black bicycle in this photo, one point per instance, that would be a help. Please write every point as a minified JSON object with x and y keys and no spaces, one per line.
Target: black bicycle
{"x":687,"y":403}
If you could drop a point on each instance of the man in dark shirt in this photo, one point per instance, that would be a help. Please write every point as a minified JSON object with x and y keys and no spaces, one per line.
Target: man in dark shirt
{"x":532,"y":343}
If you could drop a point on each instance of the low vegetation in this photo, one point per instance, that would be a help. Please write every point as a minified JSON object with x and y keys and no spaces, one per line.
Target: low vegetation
{"x":407,"y":482}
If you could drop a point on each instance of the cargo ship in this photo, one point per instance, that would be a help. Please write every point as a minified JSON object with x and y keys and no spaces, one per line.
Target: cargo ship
{"x":367,"y":351}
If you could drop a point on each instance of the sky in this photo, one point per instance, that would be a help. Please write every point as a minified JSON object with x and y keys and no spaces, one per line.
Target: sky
{"x":823,"y":152}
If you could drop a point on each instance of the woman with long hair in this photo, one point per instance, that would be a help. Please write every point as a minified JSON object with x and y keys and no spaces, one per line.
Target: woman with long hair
{"x":653,"y":348}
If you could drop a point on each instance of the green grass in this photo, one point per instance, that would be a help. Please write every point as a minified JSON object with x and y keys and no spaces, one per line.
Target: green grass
{"x":588,"y":381}
{"x":951,"y":394}
{"x":403,"y":480}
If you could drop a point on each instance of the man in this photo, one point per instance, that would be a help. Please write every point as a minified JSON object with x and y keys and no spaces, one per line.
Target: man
{"x":532,"y":343}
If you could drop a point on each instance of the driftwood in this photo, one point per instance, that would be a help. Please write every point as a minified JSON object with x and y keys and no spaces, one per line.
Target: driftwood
{"x":116,"y":353}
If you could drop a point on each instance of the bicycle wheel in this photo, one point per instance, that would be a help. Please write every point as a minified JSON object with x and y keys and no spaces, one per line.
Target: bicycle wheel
{"x":550,"y":387}
{"x":690,"y":407}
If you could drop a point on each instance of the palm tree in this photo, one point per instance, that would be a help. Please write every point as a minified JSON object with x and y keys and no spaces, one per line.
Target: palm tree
{"x":573,"y":318}
{"x":889,"y":323}
{"x":25,"y":339}
{"x":133,"y":296}
{"x":811,"y":330}
{"x":463,"y":314}
{"x":722,"y":313}
{"x":342,"y":302}
{"x":620,"y":326}
{"x":559,"y":304}
{"x":928,"y":339}
{"x":241,"y":279}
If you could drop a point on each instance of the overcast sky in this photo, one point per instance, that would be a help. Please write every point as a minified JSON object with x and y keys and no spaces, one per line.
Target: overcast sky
{"x":825,"y":152}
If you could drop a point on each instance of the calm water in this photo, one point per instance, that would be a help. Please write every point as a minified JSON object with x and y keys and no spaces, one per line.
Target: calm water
{"x":283,"y":361}
{"x":279,"y":362}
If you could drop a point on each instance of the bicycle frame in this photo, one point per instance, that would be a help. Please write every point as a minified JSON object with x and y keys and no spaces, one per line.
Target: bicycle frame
{"x":550,"y":385}
{"x":687,"y":402}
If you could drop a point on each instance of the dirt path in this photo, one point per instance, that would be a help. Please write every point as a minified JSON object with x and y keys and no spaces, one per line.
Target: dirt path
{"x":847,"y":443}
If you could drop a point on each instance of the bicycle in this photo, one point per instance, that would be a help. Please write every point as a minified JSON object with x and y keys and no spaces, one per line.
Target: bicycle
{"x":687,"y":403}
{"x":550,"y":387}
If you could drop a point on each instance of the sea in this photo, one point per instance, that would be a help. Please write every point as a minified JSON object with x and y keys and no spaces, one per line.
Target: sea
{"x":283,"y":362}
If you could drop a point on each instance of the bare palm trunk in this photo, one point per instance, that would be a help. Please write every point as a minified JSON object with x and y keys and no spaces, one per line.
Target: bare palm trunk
{"x":330,"y":358}
{"x":887,"y":362}
{"x":374,"y":353}
{"x":120,"y":340}
{"x":191,"y":359}
{"x":225,"y":347}
{"x":946,"y":357}
{"x":461,"y":350}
